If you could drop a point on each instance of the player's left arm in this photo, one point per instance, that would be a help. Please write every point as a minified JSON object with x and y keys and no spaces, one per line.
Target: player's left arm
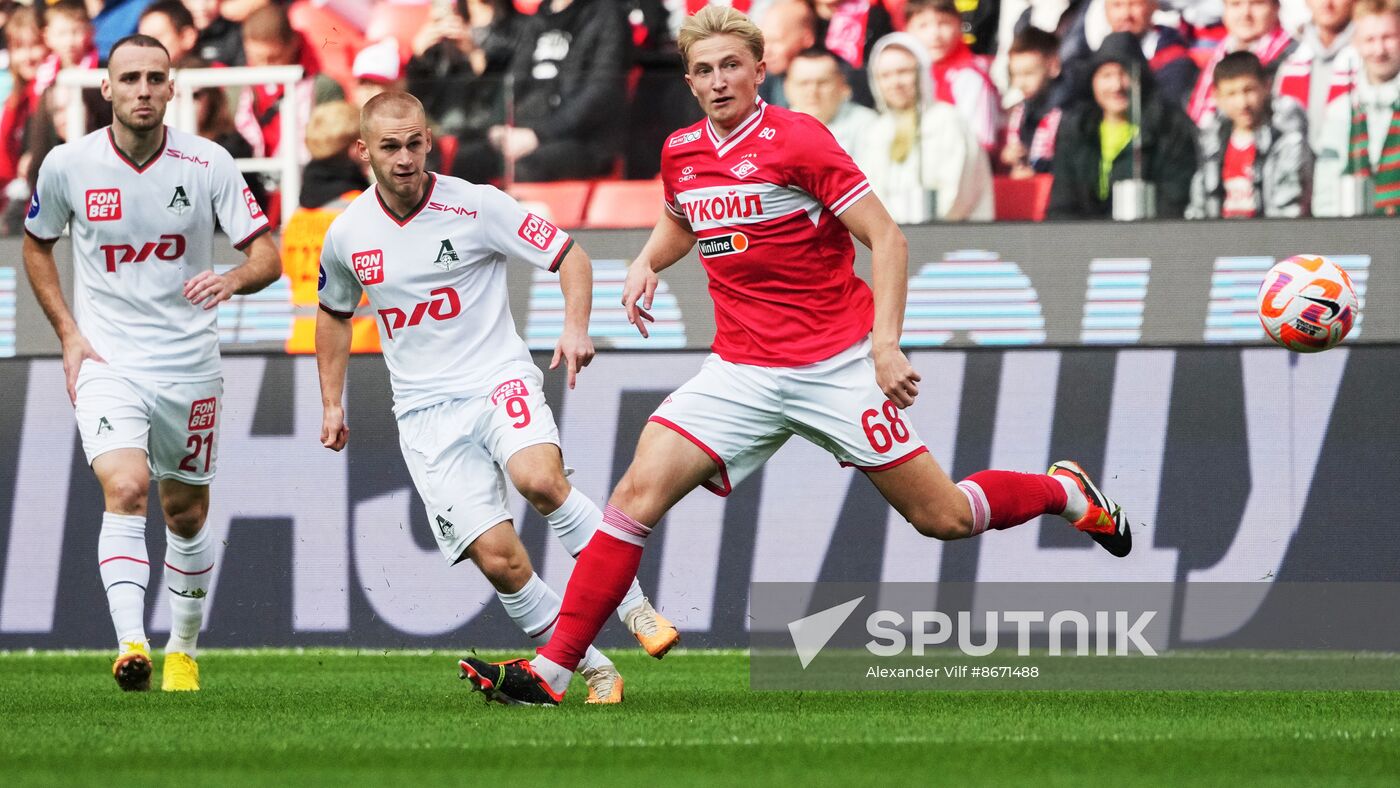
{"x":261,"y":267}
{"x":575,"y":347}
{"x":871,"y":224}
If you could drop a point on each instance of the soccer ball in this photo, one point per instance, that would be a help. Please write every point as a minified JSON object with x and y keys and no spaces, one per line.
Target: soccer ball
{"x":1307,"y":303}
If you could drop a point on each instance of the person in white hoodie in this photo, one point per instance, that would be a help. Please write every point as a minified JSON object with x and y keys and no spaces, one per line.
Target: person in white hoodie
{"x":922,"y":160}
{"x":1361,"y":130}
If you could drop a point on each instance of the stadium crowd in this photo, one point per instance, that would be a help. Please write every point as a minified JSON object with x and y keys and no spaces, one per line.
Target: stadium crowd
{"x":957,"y":110}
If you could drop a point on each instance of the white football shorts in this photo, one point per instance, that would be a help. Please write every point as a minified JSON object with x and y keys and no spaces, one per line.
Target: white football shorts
{"x":456,"y":452}
{"x":175,"y":423}
{"x":740,"y":414}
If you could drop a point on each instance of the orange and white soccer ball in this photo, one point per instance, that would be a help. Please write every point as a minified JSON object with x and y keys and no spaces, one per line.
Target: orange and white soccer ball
{"x":1307,"y":303}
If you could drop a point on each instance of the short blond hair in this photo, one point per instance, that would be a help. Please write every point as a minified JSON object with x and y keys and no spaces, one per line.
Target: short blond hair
{"x":391,"y":102}
{"x":1375,"y":8}
{"x":333,"y":126}
{"x":719,"y":20}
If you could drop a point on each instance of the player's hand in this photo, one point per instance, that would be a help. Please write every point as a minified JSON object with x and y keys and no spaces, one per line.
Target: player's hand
{"x":75,"y":352}
{"x":576,"y":348}
{"x":640,"y":286}
{"x":897,"y":377}
{"x":209,"y":289}
{"x":335,"y":433}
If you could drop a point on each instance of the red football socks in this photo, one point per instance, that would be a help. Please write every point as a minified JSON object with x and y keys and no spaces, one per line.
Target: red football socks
{"x":1001,"y":499}
{"x":600,"y":580}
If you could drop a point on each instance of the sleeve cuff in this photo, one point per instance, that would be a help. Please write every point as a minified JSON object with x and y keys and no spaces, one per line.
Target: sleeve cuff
{"x":850,"y":198}
{"x":41,"y":239}
{"x":251,"y":236}
{"x":559,"y":259}
{"x":336,"y":312}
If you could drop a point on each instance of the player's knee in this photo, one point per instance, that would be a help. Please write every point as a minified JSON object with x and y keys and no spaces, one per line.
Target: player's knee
{"x":187,"y":521}
{"x":633,"y":495}
{"x":507,"y":570}
{"x":126,"y":494}
{"x":545,"y":490}
{"x":941,"y":524}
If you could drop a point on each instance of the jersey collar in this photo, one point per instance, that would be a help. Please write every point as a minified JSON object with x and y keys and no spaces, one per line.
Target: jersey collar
{"x":140,"y":168}
{"x":726,"y":144}
{"x":417,"y":209}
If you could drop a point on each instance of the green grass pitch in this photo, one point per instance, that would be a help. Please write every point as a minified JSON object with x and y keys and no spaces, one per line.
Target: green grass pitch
{"x":394,"y":718}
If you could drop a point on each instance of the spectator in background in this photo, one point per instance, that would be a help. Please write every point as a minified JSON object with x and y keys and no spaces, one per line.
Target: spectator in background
{"x":1361,"y":134}
{"x":333,"y":178}
{"x":788,"y":27}
{"x":1094,"y":148}
{"x":980,"y":22}
{"x":850,"y":28}
{"x":959,"y":77}
{"x":459,"y":61}
{"x":570,"y":98}
{"x":922,"y":160}
{"x":1255,"y":159}
{"x":25,"y":44}
{"x":1324,"y":66}
{"x":115,"y":20}
{"x":1167,"y":52}
{"x":1034,"y":64}
{"x":170,"y":23}
{"x":220,"y":40}
{"x":214,"y":122}
{"x":269,"y":40}
{"x":817,"y":86}
{"x":1251,"y":25}
{"x":48,"y":128}
{"x":68,"y":36}
{"x":377,"y":69}
{"x":332,"y":171}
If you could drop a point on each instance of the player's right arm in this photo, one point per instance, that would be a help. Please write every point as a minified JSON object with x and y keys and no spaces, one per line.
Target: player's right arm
{"x":670,"y":240}
{"x":48,"y":214}
{"x":42,"y":271}
{"x":339,"y":292}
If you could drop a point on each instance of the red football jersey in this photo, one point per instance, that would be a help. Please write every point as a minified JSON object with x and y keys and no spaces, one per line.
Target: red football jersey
{"x":764,"y":203}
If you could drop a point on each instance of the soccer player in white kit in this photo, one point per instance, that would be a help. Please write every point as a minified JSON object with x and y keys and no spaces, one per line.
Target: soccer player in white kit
{"x":141,"y":349}
{"x":430,"y":251}
{"x":802,"y":347}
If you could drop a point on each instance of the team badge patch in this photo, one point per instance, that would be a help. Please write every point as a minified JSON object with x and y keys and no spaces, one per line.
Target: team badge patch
{"x":103,"y":205}
{"x":744,"y":169}
{"x":179,"y":202}
{"x":537,"y":232}
{"x":202,"y":414}
{"x":682,"y":139}
{"x":447,"y":256}
{"x":33,"y":205}
{"x":254,"y":210}
{"x":721,"y":245}
{"x":320,"y":278}
{"x":369,"y":266}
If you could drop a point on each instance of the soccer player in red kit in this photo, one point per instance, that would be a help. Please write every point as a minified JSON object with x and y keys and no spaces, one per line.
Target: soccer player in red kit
{"x":802,"y":347}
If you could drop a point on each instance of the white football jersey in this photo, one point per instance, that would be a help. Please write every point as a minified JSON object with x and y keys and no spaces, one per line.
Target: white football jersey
{"x":140,"y":231}
{"x":436,"y":279}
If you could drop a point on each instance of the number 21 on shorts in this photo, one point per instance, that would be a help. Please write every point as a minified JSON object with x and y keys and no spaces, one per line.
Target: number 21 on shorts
{"x":883,"y":435}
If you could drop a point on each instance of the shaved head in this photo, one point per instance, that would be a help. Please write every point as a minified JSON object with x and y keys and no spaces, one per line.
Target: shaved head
{"x":393,"y":104}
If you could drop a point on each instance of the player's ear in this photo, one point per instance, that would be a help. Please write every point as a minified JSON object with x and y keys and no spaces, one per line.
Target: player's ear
{"x":106,"y":89}
{"x":761,"y":72}
{"x":361,"y":151}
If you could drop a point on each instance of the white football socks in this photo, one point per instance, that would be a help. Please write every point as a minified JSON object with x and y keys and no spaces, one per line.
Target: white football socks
{"x":1076,"y":503}
{"x":188,"y":567}
{"x":126,"y":571}
{"x":574,"y":523}
{"x":535,"y":609}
